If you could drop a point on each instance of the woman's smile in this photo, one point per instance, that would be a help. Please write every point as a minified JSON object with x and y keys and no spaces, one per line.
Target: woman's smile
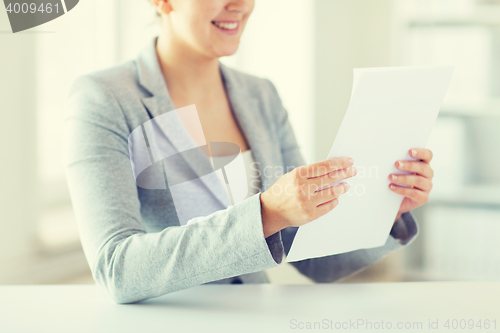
{"x":229,"y":26}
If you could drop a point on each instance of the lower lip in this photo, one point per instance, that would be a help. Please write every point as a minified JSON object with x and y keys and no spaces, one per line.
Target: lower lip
{"x":229,"y":32}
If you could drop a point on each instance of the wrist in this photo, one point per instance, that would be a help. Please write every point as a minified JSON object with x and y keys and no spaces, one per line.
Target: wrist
{"x":272,"y":222}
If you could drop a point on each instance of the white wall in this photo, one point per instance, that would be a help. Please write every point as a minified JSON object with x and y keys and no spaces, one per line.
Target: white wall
{"x":18,"y":166}
{"x":349,"y":34}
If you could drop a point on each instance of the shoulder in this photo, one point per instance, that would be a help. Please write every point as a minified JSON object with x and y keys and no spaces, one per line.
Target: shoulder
{"x":112,"y":89}
{"x":99,"y":97}
{"x":269,"y":106}
{"x":261,"y":88}
{"x":110,"y":81}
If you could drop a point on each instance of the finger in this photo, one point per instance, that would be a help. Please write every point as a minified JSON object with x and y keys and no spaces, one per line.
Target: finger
{"x":318,"y":183}
{"x":425,"y":184}
{"x":326,"y":207}
{"x":417,"y":167}
{"x":422,"y":154}
{"x":329,"y":194}
{"x":412,"y":193}
{"x":322,"y":168}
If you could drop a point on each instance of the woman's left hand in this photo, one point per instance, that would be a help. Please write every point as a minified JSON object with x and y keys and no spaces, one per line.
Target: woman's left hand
{"x":420,"y":182}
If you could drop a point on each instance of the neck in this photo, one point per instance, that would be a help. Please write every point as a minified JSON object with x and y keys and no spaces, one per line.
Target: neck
{"x":186,"y":71}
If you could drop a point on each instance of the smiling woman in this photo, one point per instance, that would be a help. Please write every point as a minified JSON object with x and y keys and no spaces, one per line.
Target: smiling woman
{"x":201,"y":25}
{"x":135,"y":239}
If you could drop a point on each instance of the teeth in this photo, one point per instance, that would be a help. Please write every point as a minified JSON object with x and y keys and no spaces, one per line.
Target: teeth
{"x":226,"y":25}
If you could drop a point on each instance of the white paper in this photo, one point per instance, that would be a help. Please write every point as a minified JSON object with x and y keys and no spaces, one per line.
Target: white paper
{"x":391,"y":111}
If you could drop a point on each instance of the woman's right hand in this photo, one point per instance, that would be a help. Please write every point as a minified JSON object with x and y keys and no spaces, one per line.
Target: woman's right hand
{"x":295,"y":199}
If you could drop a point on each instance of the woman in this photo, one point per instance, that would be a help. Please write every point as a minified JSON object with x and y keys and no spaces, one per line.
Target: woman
{"x":131,"y":234}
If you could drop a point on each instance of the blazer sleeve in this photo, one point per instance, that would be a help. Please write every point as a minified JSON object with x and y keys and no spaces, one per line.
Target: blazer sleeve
{"x":331,"y":268}
{"x":131,"y":264}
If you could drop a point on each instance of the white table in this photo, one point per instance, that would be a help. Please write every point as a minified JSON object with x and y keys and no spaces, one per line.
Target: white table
{"x":253,"y":308}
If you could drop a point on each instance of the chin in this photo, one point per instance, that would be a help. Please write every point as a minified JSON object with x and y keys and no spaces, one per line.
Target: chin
{"x":225,"y":50}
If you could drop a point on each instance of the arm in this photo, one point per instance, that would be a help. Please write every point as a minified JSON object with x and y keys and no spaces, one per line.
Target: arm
{"x":128,"y":262}
{"x":331,"y":268}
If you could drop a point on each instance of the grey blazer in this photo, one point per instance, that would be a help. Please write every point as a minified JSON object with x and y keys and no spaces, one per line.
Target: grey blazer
{"x":131,"y":236}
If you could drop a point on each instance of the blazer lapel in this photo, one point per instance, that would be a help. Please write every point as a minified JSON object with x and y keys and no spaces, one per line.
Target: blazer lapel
{"x":246,"y":111}
{"x":159,"y":103}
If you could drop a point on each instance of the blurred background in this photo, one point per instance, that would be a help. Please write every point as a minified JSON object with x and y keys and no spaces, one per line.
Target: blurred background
{"x":308,"y":48}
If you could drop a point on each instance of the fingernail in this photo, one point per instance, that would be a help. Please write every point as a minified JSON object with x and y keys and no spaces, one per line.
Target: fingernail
{"x":354,"y":171}
{"x":347,"y":187}
{"x":392,"y":187}
{"x":351,"y":161}
{"x":394,"y":177}
{"x":413,"y":152}
{"x":401,"y":164}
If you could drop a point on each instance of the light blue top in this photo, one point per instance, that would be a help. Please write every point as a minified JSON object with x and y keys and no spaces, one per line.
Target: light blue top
{"x":131,"y":236}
